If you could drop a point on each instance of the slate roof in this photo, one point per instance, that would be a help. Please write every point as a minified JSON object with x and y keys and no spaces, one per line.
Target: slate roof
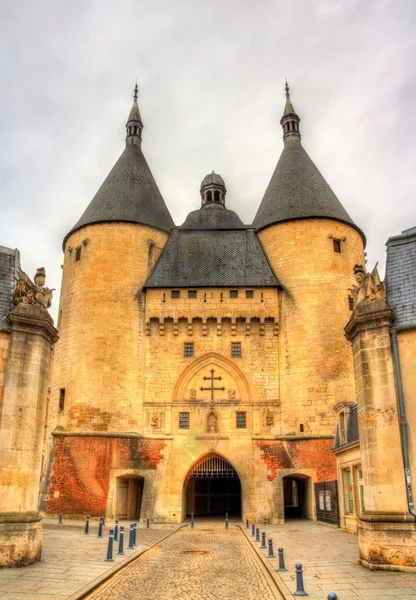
{"x":401,"y":277}
{"x":297,"y":190}
{"x":212,"y":249}
{"x":129,"y":193}
{"x":9,"y":266}
{"x":352,"y":433}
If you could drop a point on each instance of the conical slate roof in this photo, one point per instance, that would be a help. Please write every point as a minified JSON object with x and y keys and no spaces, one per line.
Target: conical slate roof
{"x":129,"y":193}
{"x":297,"y":189}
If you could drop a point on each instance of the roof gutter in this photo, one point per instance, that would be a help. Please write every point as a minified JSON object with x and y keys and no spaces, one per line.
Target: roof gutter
{"x":402,"y":417}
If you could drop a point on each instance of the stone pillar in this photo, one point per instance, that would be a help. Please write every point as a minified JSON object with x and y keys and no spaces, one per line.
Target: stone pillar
{"x":387,"y":531}
{"x":22,"y":430}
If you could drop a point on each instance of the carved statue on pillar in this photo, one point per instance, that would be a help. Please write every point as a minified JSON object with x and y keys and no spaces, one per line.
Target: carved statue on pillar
{"x":370,"y":286}
{"x":27,"y":292}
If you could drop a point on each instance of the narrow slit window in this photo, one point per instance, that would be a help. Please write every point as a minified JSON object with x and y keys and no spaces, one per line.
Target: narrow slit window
{"x":235,"y":349}
{"x":61,"y":399}
{"x":78,"y":253}
{"x":241,"y":420}
{"x":184,"y":420}
{"x":337,"y":246}
{"x":188,"y":350}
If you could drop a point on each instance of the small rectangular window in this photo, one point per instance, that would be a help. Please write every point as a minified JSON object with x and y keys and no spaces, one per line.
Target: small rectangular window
{"x":184,"y":420}
{"x":78,"y":253}
{"x":233,"y":293}
{"x":249,"y":294}
{"x":235,"y":349}
{"x":240,"y":420}
{"x":191,"y":293}
{"x":350,"y":302}
{"x":301,"y":428}
{"x":337,"y":245}
{"x":61,"y":399}
{"x":175,"y":294}
{"x":188,"y":350}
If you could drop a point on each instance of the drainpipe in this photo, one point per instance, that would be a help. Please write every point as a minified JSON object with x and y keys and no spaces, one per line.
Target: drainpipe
{"x":402,"y":417}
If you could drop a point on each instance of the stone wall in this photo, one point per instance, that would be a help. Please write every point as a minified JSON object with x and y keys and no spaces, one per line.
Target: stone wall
{"x":98,"y":360}
{"x":315,"y":362}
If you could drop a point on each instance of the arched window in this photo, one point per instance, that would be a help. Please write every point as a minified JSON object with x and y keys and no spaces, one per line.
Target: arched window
{"x":216,"y":196}
{"x":209,"y":196}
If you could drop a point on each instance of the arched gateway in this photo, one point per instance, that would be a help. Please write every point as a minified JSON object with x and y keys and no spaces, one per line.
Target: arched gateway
{"x":212,"y":487}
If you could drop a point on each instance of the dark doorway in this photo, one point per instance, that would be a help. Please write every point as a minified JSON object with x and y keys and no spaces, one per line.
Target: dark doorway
{"x":129,"y":497}
{"x":213,"y":488}
{"x":295,"y":497}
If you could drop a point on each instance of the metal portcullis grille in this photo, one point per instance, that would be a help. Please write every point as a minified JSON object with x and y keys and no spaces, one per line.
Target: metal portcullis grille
{"x":214,"y":466}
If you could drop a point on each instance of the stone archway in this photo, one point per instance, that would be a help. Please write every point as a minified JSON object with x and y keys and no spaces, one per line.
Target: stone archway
{"x":212,"y":487}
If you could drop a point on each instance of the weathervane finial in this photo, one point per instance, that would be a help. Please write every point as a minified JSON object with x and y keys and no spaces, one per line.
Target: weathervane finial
{"x":136,"y":90}
{"x":287,"y":88}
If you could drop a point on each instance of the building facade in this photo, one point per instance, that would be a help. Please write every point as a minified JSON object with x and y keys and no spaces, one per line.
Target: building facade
{"x":198,"y":366}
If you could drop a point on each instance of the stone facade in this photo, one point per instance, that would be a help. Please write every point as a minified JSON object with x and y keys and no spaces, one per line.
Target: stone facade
{"x":383,"y":345}
{"x":207,"y":346}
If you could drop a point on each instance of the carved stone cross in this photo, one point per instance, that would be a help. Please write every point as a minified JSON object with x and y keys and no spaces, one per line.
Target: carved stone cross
{"x":212,"y":389}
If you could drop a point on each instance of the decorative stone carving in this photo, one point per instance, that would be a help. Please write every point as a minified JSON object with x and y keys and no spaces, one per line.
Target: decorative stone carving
{"x":370,"y":287}
{"x":27,"y":292}
{"x":192,"y":394}
{"x":231,"y":394}
{"x":268,"y":418}
{"x":212,"y":423}
{"x":154,"y":421}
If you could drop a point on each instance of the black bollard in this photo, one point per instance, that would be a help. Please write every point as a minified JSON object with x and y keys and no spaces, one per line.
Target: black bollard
{"x":263,"y":540}
{"x":60,"y":520}
{"x":110,"y":546}
{"x":300,"y":590}
{"x":131,"y":545}
{"x":281,"y":560}
{"x":332,"y":596}
{"x":257,"y":534}
{"x":270,"y":555}
{"x":87,"y":526}
{"x":226,"y":522}
{"x":147,"y":523}
{"x":226,"y":516}
{"x":253,"y":531}
{"x":103,"y":520}
{"x":192,"y":520}
{"x":100,"y":528}
{"x":247,"y":525}
{"x":116,"y":531}
{"x":121,"y":540}
{"x":135,"y":534}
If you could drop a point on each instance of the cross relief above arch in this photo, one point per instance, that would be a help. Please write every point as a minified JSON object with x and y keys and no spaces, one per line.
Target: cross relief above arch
{"x":212,"y":378}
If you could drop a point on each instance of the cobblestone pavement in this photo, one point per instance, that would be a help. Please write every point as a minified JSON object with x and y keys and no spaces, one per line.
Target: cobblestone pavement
{"x":71,"y":561}
{"x":330,"y":564}
{"x":205,"y":563}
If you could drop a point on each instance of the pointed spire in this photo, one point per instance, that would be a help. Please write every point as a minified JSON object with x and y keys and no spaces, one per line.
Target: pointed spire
{"x":134,"y":125}
{"x":290,"y":120}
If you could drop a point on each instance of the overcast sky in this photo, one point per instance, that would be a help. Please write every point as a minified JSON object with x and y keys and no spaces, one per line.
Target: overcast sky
{"x":211,"y":76}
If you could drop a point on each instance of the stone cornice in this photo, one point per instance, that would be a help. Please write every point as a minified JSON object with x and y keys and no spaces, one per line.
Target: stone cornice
{"x":32,"y":318}
{"x":369,"y":315}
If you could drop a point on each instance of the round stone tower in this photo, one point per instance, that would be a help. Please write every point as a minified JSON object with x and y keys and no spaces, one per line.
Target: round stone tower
{"x":312,"y":245}
{"x":108,"y":255}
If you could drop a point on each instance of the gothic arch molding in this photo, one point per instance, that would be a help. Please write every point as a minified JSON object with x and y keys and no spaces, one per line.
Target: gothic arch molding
{"x":203,"y":458}
{"x":212,"y":359}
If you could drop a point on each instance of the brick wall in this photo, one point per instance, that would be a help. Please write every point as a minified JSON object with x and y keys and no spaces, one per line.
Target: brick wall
{"x":81,"y":473}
